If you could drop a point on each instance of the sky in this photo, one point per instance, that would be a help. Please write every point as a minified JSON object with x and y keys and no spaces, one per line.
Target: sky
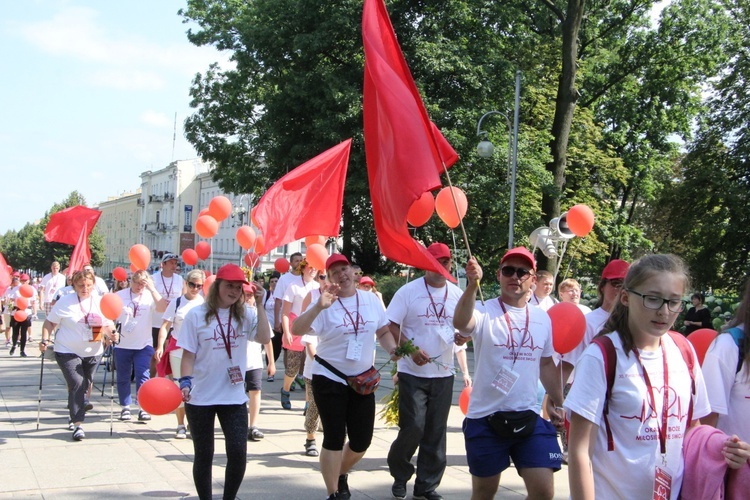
{"x":88,"y":100}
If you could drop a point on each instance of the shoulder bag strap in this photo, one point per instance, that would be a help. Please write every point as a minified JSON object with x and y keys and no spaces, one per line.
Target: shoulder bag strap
{"x":610,"y":364}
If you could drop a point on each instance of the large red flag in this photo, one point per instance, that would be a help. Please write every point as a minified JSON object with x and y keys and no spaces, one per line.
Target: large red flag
{"x":81,"y":253}
{"x":405,"y":151}
{"x":5,"y":278}
{"x":65,"y":226}
{"x":305,"y":202}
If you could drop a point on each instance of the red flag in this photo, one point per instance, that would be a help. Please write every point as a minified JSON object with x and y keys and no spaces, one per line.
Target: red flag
{"x":65,"y":226}
{"x":305,"y":202}
{"x":5,"y":277}
{"x":81,"y":253}
{"x":405,"y":151}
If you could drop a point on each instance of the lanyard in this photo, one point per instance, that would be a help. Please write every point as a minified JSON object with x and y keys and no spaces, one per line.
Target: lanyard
{"x":354,"y":323}
{"x":434,"y":307}
{"x":171,"y":284}
{"x":134,"y":304}
{"x":85,"y":314}
{"x":510,"y":330}
{"x":227,"y":346}
{"x":665,"y":389}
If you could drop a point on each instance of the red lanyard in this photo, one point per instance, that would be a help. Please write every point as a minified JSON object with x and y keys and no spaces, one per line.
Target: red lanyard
{"x":434,"y":307}
{"x":354,"y":323}
{"x":665,"y":389}
{"x":171,"y":284}
{"x":85,"y":314}
{"x":227,"y":346}
{"x":510,"y":330}
{"x":134,"y":304}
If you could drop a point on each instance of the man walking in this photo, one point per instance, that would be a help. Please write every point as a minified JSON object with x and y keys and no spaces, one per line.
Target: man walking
{"x":51,"y":283}
{"x":169,"y":284}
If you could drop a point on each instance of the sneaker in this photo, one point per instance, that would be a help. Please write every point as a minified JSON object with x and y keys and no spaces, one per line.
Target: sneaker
{"x":311,"y":449}
{"x":333,"y":496}
{"x":430,"y":495}
{"x":24,"y":355}
{"x":87,"y":406}
{"x":300,"y":381}
{"x":125,"y":414}
{"x":29,"y":340}
{"x":181,"y":432}
{"x":343,"y":490}
{"x":254,"y":434}
{"x":8,"y":344}
{"x":270,"y":378}
{"x":12,"y":350}
{"x":71,"y":425}
{"x":143,"y":416}
{"x":293,"y":387}
{"x":78,"y":434}
{"x":398,"y":490}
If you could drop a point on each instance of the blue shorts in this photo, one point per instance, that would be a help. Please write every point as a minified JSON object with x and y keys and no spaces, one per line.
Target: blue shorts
{"x":489,"y":454}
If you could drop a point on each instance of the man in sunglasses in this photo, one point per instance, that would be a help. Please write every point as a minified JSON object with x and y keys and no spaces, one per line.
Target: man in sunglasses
{"x":170,"y":285}
{"x":512,"y":350}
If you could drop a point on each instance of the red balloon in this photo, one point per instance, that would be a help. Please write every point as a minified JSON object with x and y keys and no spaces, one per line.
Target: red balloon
{"x":281,"y":265}
{"x":421,"y":210}
{"x":111,"y":306}
{"x":446,"y":209}
{"x":119,"y":273}
{"x":219,"y":208}
{"x":260,"y":245}
{"x":245,"y":236}
{"x":252,"y":260}
{"x":580,"y":220}
{"x":140,"y":256}
{"x":20,"y":315}
{"x":207,"y":283}
{"x":311,"y":240}
{"x":204,"y":212}
{"x":316,"y":256}
{"x":568,"y":326}
{"x":206,"y":226}
{"x":463,"y":400}
{"x":159,"y":396}
{"x":26,"y":291}
{"x":22,"y":303}
{"x":203,"y":249}
{"x":701,"y":339}
{"x":190,"y":256}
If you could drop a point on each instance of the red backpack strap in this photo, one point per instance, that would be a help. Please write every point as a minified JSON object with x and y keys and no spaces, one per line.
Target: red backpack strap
{"x":687,"y":354}
{"x":610,"y":363}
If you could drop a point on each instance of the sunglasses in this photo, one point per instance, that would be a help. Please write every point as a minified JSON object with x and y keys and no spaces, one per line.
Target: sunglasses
{"x":359,"y":273}
{"x":520,"y":272}
{"x":321,"y":276}
{"x":194,"y":285}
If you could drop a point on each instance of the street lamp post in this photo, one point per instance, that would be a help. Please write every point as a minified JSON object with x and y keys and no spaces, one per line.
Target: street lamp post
{"x":485,"y":149}
{"x":238,"y":213}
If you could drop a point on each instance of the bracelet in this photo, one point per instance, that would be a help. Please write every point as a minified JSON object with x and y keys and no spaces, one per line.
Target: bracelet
{"x":186,"y":382}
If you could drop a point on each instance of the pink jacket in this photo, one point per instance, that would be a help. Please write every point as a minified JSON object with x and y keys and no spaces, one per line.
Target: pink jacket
{"x":705,"y":468}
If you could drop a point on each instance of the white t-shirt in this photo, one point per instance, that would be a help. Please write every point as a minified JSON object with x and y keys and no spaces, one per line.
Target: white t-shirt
{"x":313,"y":341}
{"x":51,"y":284}
{"x":628,"y":471}
{"x":211,"y":383}
{"x":74,"y":335}
{"x":66,"y":290}
{"x":296,"y":291}
{"x":728,"y":390}
{"x":100,"y":286}
{"x":492,"y":353}
{"x":543,"y":304}
{"x":169,"y":288}
{"x":177,"y":316}
{"x":268,"y":304}
{"x":135,"y":318}
{"x":255,"y":350}
{"x":594,"y":323}
{"x":335,"y":329}
{"x":584,"y":309}
{"x":426,"y":317}
{"x":284,"y":280}
{"x":15,"y":292}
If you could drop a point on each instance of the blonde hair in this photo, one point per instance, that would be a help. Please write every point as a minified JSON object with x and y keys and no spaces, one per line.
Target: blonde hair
{"x":196,"y":273}
{"x":81,"y":275}
{"x":568,"y":283}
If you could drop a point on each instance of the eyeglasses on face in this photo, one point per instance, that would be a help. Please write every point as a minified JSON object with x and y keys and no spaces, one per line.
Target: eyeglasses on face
{"x":358,"y":273}
{"x":194,"y":285}
{"x":655,"y":302}
{"x":520,"y":272}
{"x":321,"y":276}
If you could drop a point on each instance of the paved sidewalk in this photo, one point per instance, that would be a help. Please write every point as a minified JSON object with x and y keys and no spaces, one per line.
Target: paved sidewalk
{"x":142,"y":459}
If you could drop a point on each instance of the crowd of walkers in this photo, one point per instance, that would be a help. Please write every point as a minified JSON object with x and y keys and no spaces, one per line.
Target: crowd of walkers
{"x":630,"y":409}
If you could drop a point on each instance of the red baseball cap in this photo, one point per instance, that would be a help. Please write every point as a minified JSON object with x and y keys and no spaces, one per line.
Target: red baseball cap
{"x":366,"y":280}
{"x":615,"y":270}
{"x":231,"y":272}
{"x":336,"y":258}
{"x":522,"y":252}
{"x":439,"y":250}
{"x":249,"y":288}
{"x":16,"y":274}
{"x":25,"y":277}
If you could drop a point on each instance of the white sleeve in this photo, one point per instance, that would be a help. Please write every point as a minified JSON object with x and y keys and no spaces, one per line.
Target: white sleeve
{"x":397,"y":308}
{"x":169,"y":313}
{"x":188,"y":338}
{"x":719,"y":367}
{"x":587,"y":394}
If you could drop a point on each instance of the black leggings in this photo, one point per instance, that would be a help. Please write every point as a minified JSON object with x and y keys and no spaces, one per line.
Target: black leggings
{"x":21,"y":329}
{"x":343,"y":411}
{"x":276,"y":342}
{"x":233,"y":421}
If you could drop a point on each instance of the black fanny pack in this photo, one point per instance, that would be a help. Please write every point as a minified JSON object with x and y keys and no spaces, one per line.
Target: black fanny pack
{"x":513,"y":424}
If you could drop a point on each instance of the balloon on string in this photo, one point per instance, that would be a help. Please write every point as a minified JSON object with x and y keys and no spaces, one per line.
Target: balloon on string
{"x":204,"y":212}
{"x":281,"y":265}
{"x":701,"y":339}
{"x":140,"y":256}
{"x":252,"y":260}
{"x":210,"y":278}
{"x":311,"y":240}
{"x":111,"y":306}
{"x":159,"y":396}
{"x":580,"y":220}
{"x":203,"y":249}
{"x":568,"y":326}
{"x":190,"y":256}
{"x":120,"y":274}
{"x":446,"y":209}
{"x":316,"y":256}
{"x":219,"y":208}
{"x":421,"y":210}
{"x":260,"y":245}
{"x":206,"y":226}
{"x":463,"y":400}
{"x":22,"y":303}
{"x":26,"y":291}
{"x":245,"y":236}
{"x":20,"y":315}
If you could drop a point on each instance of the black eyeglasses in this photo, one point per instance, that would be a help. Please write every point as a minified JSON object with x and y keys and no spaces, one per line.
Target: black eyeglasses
{"x":194,"y":285}
{"x":358,"y":273}
{"x":520,"y":272}
{"x":655,"y":302}
{"x":322,"y":276}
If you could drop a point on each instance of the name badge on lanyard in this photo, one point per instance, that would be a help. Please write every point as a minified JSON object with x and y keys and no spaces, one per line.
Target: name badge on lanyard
{"x":234,"y":372}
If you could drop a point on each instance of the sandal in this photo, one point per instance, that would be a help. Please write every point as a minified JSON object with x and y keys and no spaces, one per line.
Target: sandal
{"x":311,"y":450}
{"x":285,"y":402}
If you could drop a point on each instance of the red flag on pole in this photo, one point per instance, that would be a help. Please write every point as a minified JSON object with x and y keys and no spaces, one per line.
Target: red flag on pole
{"x":5,"y":277}
{"x":81,"y":253}
{"x":307,"y":201}
{"x":405,"y":151}
{"x":65,"y":226}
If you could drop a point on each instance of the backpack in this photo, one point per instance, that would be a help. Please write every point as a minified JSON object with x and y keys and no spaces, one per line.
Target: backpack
{"x":610,"y":364}
{"x":739,"y":338}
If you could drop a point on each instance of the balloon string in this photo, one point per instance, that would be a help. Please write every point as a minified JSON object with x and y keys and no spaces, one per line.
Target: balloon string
{"x":461,"y":223}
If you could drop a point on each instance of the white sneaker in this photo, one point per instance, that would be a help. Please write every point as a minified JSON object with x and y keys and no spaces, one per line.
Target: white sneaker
{"x":181,"y":432}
